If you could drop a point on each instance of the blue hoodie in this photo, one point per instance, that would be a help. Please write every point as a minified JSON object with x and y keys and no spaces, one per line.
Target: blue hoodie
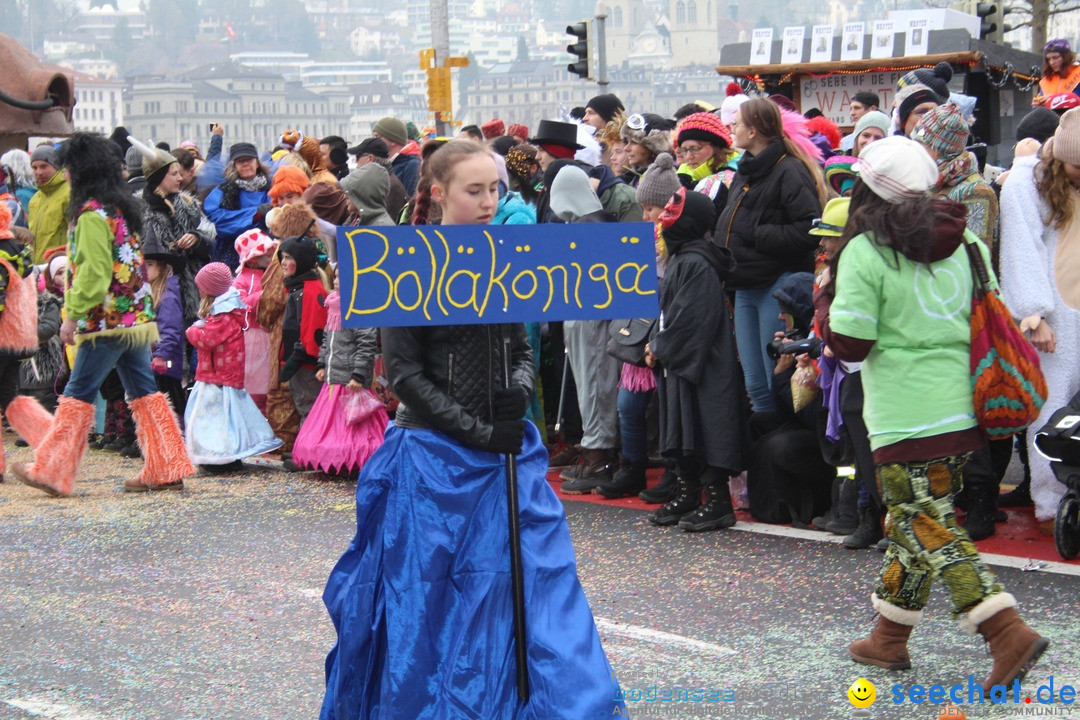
{"x":514,"y":211}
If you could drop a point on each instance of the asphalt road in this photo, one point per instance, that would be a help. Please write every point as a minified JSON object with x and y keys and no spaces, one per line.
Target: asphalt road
{"x":206,"y":605}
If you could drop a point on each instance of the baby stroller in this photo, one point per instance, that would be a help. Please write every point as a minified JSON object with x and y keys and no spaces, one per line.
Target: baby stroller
{"x":1059,"y":442}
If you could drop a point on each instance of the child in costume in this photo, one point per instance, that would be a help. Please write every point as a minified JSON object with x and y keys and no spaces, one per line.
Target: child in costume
{"x":421,"y":600}
{"x":255,"y":250}
{"x":109,"y":303}
{"x":163,"y":270}
{"x":18,"y":336}
{"x":328,"y":441}
{"x":223,"y":425}
{"x":304,"y":321}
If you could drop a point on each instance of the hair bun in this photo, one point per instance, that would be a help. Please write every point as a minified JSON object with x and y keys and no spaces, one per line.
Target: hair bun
{"x":943,"y":70}
{"x":733,"y":88}
{"x":664,"y":161}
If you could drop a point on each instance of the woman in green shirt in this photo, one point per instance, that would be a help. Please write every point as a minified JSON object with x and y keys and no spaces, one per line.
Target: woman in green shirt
{"x":902,"y":306}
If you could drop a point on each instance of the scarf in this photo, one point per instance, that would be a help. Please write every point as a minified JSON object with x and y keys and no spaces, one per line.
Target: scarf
{"x":231,"y":189}
{"x":953,"y":172}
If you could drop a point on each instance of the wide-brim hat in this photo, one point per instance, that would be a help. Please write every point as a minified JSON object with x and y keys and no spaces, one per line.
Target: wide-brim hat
{"x":833,"y":218}
{"x":553,"y":132}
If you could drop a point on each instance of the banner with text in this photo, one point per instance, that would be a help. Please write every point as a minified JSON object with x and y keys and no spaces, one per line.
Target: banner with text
{"x":475,"y":274}
{"x":833,"y":94}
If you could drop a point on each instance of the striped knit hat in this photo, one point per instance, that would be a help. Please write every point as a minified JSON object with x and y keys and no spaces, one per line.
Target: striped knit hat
{"x":705,"y":127}
{"x":943,"y":130}
{"x":839,"y":173}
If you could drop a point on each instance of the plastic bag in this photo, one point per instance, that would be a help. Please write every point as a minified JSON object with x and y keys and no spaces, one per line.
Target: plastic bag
{"x":358,"y":404}
{"x":804,"y":386}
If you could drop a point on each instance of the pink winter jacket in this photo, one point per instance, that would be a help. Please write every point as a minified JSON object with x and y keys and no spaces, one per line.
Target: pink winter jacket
{"x":220,"y":343}
{"x":249,"y":284}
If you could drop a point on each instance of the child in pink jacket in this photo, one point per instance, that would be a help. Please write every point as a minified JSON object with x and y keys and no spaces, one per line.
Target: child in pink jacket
{"x":255,"y":250}
{"x":223,"y":423}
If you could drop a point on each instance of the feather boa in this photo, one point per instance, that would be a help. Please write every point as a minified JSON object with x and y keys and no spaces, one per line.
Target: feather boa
{"x":796,"y":130}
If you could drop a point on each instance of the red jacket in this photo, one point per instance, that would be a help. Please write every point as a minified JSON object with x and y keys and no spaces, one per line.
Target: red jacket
{"x":220,"y":343}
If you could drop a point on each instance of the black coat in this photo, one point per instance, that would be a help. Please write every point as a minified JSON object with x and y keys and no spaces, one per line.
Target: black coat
{"x":699,"y":381}
{"x":770,"y":208}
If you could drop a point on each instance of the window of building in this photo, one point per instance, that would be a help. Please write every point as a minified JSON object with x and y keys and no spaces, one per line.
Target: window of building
{"x":680,"y":12}
{"x":617,"y":17}
{"x":708,"y":11}
{"x":691,"y":11}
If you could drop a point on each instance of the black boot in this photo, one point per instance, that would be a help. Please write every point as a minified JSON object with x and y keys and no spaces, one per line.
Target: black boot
{"x":845,"y":518}
{"x":687,"y":500}
{"x":868,"y":532}
{"x":717,"y":512}
{"x":664,"y":491}
{"x":982,"y":510}
{"x":1020,"y":496}
{"x":594,"y":472}
{"x":628,"y":481}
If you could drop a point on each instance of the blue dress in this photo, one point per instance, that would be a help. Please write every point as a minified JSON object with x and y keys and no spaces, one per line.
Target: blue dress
{"x":421,"y":600}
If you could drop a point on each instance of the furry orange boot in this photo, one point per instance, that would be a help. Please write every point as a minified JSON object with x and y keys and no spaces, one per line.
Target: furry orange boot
{"x":60,"y":451}
{"x":29,"y":419}
{"x":166,"y":459}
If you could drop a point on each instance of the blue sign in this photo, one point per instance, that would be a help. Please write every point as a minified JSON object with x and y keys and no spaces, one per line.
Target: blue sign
{"x":474,"y":274}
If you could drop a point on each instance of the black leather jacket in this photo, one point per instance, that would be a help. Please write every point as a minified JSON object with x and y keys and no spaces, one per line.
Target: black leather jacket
{"x":446,"y":376}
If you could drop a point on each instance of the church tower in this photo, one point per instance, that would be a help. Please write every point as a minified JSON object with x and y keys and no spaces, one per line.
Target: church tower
{"x":625,"y":21}
{"x":695,"y":36}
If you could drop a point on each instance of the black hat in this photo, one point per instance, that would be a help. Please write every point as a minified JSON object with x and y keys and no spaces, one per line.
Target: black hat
{"x":606,"y":106}
{"x":553,"y":132}
{"x":303,"y":250}
{"x":920,"y":96}
{"x":154,"y":249}
{"x":371,"y":146}
{"x":241,"y":150}
{"x":1038,"y":124}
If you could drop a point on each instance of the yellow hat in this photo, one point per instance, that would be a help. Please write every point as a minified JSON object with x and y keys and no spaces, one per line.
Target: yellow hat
{"x":833,"y":219}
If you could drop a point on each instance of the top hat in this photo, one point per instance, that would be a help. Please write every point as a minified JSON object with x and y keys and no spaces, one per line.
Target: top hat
{"x":553,"y":132}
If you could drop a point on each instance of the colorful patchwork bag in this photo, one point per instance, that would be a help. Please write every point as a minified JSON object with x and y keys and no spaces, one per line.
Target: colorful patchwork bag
{"x":1006,"y":378}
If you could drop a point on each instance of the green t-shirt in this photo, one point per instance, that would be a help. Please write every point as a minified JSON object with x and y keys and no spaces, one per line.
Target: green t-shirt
{"x":917,"y":377}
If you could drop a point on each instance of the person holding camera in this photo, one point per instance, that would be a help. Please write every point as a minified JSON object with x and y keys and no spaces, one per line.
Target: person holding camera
{"x":699,"y":381}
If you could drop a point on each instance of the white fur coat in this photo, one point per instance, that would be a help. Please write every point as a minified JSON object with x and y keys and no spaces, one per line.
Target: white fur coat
{"x":1028,"y":249}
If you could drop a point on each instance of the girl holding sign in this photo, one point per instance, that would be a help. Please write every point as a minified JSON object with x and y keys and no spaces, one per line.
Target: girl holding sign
{"x":421,"y":600}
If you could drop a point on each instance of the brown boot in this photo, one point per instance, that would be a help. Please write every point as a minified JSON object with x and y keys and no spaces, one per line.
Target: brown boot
{"x":1014,"y":646}
{"x":61,"y":450}
{"x":588,"y":476}
{"x":887,"y":645}
{"x":166,"y":458}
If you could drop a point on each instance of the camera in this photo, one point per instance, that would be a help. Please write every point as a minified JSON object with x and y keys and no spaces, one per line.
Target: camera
{"x":793,"y":344}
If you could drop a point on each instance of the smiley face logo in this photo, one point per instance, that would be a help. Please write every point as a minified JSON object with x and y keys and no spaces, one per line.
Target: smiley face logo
{"x":862,"y":693}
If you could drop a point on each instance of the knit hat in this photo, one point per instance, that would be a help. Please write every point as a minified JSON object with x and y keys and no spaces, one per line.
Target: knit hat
{"x":252,"y":244}
{"x":839,"y":173}
{"x":705,"y":127}
{"x":519,"y":131}
{"x":290,"y":139}
{"x":46,"y":153}
{"x":917,"y":96}
{"x":60,"y":262}
{"x":606,"y":106}
{"x":392,"y":129}
{"x":241,"y":150}
{"x":154,"y":160}
{"x":5,"y":222}
{"x":833,"y":218}
{"x":735,"y":98}
{"x":1057,"y":45}
{"x":872,"y":119}
{"x":942,"y":130}
{"x":659,"y":182}
{"x":133,"y":161}
{"x":493,"y":129}
{"x":897,"y":169}
{"x":303,"y":250}
{"x":412,"y":131}
{"x":288,"y":179}
{"x":936,"y":79}
{"x":214,"y":279}
{"x":572,"y":195}
{"x":1039,"y":124}
{"x":1067,"y":138}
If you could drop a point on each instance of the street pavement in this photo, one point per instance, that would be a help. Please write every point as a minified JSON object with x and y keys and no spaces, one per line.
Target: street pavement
{"x":205,"y":605}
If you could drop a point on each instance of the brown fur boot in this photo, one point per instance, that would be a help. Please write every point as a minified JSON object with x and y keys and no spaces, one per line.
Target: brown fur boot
{"x":887,"y":645}
{"x":61,"y":450}
{"x":1014,"y":646}
{"x":166,"y":459}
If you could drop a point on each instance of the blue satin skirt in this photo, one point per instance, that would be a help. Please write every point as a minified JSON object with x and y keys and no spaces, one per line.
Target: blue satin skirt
{"x":421,"y":600}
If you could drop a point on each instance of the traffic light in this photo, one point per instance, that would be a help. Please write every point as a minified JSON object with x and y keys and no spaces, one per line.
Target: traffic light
{"x":581,"y":48}
{"x":991,"y":21}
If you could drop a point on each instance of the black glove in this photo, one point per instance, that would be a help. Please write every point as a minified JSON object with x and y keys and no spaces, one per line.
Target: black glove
{"x":510,"y":403}
{"x":507,"y":436}
{"x":261,"y":212}
{"x":290,"y":367}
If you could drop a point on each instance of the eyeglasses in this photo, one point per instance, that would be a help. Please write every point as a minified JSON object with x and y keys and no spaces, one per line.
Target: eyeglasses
{"x":636,"y":122}
{"x":819,"y":225}
{"x":691,"y":149}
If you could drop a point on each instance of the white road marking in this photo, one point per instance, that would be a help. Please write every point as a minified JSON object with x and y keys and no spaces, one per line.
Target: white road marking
{"x":1019,"y":563}
{"x":659,"y":637}
{"x":51,"y":710}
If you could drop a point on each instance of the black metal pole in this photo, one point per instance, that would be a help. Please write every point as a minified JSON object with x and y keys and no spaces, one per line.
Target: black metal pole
{"x":517,"y":579}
